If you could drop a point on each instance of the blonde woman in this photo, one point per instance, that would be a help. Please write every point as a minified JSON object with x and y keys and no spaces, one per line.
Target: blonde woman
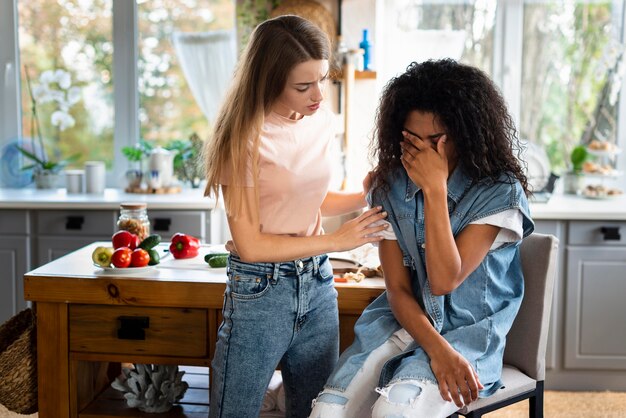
{"x":268,"y":155}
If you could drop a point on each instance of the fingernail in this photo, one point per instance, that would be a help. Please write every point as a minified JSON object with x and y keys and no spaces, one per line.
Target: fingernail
{"x":384,"y":213}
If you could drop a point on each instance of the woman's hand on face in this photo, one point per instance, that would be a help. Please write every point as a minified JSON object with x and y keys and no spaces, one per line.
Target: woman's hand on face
{"x":424,"y":165}
{"x":458,"y":381}
{"x":359,"y":231}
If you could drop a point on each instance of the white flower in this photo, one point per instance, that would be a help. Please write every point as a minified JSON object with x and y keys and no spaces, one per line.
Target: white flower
{"x":62,"y":119}
{"x":63,"y":79}
{"x":73,"y":95}
{"x":46,"y":77}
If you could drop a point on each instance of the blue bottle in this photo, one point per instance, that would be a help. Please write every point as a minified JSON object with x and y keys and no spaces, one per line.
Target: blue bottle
{"x":366,"y":46}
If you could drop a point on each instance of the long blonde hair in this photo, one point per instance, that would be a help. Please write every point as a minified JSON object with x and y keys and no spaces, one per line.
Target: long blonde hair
{"x":275,"y":47}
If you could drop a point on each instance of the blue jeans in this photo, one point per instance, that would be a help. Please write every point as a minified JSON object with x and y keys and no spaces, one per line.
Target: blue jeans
{"x":275,"y":313}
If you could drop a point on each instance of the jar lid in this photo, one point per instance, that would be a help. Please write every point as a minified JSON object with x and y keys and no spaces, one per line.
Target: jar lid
{"x":133,"y":206}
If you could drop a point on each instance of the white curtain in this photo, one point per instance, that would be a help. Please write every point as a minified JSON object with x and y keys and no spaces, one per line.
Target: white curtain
{"x":207,"y":60}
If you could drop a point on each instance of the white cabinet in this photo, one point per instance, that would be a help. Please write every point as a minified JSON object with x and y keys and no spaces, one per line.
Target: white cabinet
{"x":60,"y":232}
{"x":595,"y":335}
{"x":14,"y":260}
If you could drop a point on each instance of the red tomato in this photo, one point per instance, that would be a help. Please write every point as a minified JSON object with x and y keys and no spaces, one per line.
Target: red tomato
{"x":139,"y":258}
{"x":125,"y":239}
{"x":121,"y":257}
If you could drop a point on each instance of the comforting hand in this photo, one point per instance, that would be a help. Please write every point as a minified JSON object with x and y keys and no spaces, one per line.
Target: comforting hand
{"x":458,"y":381}
{"x":359,"y":230}
{"x":425,"y":165}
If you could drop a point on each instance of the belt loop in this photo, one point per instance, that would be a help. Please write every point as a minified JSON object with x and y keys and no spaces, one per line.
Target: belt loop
{"x":274,"y":277}
{"x":316,"y":264}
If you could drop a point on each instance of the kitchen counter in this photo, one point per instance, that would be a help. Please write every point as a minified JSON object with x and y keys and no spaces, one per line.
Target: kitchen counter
{"x":563,"y":207}
{"x":566,"y":207}
{"x":111,"y":199}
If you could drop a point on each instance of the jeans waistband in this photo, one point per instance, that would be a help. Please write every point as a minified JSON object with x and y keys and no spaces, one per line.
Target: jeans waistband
{"x":302,"y":265}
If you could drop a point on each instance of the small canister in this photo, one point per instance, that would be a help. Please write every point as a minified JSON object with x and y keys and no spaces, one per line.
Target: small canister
{"x":134,"y":218}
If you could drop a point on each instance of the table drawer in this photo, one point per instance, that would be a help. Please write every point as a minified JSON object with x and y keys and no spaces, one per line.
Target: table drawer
{"x":76,"y":222}
{"x":138,"y":330}
{"x":597,"y":232}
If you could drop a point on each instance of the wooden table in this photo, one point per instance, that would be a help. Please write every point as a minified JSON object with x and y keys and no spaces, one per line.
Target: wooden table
{"x":90,"y":321}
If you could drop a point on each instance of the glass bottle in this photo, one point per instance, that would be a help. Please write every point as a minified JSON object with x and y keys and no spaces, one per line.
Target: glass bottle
{"x":134,"y":218}
{"x":366,"y":46}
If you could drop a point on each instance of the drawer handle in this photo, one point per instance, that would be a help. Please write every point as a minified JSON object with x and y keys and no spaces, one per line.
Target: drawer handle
{"x":132,"y":327}
{"x":162,"y":224}
{"x":74,"y":222}
{"x":611,"y":233}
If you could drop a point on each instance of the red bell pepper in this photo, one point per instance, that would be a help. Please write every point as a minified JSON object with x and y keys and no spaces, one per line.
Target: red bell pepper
{"x":184,"y":246}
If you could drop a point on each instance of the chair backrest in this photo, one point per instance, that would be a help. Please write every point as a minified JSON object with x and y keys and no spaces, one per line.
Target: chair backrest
{"x":528,"y":337}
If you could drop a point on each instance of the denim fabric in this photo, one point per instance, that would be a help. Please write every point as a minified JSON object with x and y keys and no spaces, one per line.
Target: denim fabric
{"x":274,"y":313}
{"x":476,"y":316}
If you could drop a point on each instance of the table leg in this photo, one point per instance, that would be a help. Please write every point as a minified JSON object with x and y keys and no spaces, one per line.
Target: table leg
{"x":53,"y":360}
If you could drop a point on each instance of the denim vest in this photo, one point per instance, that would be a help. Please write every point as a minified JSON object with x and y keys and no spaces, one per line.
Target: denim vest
{"x":477,"y":315}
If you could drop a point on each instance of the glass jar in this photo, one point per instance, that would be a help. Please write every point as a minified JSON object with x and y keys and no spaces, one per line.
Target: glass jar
{"x":134,"y":218}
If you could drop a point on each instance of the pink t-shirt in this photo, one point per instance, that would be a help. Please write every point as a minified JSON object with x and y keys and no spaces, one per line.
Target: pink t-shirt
{"x":294,"y":173}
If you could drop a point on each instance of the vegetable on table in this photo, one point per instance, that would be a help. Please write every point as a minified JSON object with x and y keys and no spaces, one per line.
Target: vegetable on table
{"x":150,"y":241}
{"x":217,"y":260}
{"x":184,"y":246}
{"x":102,"y":256}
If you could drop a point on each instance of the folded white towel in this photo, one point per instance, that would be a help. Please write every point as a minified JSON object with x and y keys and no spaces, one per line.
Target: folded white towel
{"x":271,"y":394}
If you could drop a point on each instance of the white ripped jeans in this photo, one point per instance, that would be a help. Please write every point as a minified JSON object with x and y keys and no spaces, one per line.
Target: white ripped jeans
{"x":401,"y":399}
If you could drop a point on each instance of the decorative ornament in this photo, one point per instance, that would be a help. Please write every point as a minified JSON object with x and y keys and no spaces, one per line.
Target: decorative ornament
{"x":151,"y":387}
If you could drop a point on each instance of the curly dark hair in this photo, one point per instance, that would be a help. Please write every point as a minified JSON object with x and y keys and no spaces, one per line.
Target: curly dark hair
{"x":469,"y":106}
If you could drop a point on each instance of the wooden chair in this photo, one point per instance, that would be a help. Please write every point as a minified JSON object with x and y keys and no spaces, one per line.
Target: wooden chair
{"x":524,"y":368}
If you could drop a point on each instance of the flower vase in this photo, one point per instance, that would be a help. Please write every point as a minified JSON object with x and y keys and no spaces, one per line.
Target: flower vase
{"x":46,"y":179}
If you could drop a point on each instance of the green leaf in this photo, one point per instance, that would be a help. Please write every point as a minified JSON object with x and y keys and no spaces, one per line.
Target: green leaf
{"x":31,"y":156}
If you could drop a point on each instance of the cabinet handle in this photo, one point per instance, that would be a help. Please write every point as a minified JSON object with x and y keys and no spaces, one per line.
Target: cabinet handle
{"x":132,"y":327}
{"x":162,"y":224}
{"x":611,"y":233}
{"x":74,"y":222}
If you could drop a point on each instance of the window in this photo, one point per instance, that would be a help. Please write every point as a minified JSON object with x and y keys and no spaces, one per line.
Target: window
{"x":559,"y":63}
{"x":104,"y":73}
{"x":66,"y":51}
{"x":569,"y":49}
{"x":167,"y":107}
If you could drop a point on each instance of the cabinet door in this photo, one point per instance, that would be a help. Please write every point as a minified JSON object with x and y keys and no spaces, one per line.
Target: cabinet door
{"x":167,"y":222}
{"x":14,"y":257}
{"x":594,"y":328}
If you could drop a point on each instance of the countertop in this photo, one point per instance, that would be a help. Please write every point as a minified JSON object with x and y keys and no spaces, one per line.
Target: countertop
{"x":571,"y":207}
{"x":559,"y":207}
{"x":59,"y":199}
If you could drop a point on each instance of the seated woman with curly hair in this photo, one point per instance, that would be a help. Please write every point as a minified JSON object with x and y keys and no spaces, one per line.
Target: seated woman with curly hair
{"x":455,"y":195}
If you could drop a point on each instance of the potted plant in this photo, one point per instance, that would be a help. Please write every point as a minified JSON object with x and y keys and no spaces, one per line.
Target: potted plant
{"x":136,"y":155}
{"x":55,"y":86}
{"x":573,"y":179}
{"x":187,"y":163}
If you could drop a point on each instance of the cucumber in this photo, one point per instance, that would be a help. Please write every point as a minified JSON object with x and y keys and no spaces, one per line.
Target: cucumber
{"x":211,"y":255}
{"x":218,"y":260}
{"x":155,"y":258}
{"x":150,"y":241}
